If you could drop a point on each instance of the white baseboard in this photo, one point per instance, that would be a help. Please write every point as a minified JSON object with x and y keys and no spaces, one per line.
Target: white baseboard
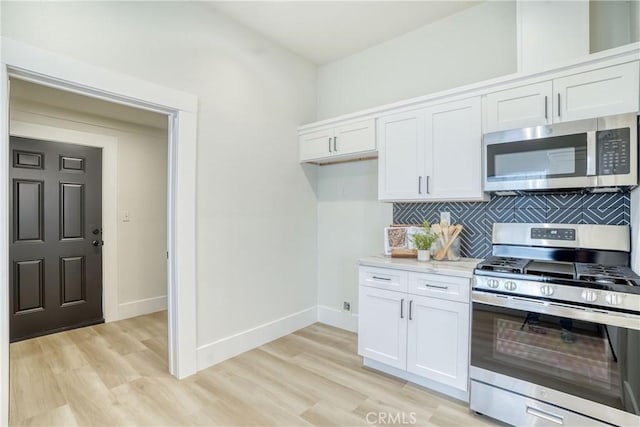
{"x":338,"y":318}
{"x":226,"y":348}
{"x":141,"y":306}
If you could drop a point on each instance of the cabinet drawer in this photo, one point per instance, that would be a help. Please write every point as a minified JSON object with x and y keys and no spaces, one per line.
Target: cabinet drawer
{"x":438,"y":286}
{"x":383,"y":278}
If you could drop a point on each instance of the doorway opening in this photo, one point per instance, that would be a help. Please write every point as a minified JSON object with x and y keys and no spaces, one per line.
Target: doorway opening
{"x":25,"y":62}
{"x":61,"y":146}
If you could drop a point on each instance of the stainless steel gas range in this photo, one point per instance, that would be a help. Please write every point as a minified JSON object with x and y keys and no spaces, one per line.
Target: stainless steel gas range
{"x":556,"y":327}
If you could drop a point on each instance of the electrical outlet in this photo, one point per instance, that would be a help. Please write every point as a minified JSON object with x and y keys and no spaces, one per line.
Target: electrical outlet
{"x":346,"y":306}
{"x":445,"y":217}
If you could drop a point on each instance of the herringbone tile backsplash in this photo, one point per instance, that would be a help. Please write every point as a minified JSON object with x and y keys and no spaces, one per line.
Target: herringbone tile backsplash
{"x":478,"y":217}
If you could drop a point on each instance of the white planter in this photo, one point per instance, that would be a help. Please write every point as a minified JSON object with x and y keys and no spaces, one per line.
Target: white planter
{"x":424,"y":255}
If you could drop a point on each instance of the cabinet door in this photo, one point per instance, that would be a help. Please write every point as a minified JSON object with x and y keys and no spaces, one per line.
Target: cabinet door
{"x":355,"y":138}
{"x":316,"y":145}
{"x":520,"y":107}
{"x":401,"y":156}
{"x":382,"y":326}
{"x":454,"y":156}
{"x":438,"y":340}
{"x":604,"y":92}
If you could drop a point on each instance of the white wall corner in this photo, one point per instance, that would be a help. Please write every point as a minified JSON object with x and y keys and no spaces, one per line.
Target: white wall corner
{"x":141,"y":307}
{"x":228,"y":347}
{"x":338,"y":318}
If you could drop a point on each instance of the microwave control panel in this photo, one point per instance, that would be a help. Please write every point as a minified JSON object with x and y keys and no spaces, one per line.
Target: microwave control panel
{"x":614,"y":151}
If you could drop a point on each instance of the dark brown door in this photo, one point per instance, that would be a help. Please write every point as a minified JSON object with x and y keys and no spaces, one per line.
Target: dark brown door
{"x":56,"y":242}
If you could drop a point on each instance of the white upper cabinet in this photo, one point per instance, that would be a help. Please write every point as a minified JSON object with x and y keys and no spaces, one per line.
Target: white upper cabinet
{"x":434,"y":153}
{"x":596,"y":93}
{"x":401,"y":163}
{"x":520,"y":107}
{"x":454,"y":151}
{"x":603,"y":92}
{"x":343,"y":142}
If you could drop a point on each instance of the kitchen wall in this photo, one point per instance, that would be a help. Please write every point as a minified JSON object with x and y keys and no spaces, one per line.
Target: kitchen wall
{"x":432,"y":58}
{"x":350,"y":222}
{"x":474,"y":45}
{"x":478,"y":218}
{"x":256,"y":207}
{"x":613,"y":23}
{"x":142,"y":242}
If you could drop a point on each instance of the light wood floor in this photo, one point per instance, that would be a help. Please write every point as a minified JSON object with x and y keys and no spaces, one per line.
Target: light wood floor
{"x":116,"y":374}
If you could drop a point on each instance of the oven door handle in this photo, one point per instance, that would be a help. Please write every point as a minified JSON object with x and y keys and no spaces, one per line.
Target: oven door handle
{"x":612,"y":318}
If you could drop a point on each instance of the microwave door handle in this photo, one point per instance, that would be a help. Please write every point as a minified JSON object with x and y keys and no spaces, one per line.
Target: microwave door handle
{"x":592,"y":155}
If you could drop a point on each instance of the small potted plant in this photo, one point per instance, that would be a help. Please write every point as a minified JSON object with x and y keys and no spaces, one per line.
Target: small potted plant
{"x":423,"y":241}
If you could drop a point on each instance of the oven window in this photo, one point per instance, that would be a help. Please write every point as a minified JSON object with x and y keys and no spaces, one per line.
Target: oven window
{"x":556,"y":157}
{"x":589,"y":360}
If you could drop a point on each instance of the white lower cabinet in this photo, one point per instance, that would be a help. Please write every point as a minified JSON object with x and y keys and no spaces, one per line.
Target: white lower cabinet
{"x":438,"y":340}
{"x":384,"y":336}
{"x":423,"y":331}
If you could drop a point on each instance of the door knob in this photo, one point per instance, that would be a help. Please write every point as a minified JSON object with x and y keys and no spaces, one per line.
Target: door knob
{"x":97,"y":242}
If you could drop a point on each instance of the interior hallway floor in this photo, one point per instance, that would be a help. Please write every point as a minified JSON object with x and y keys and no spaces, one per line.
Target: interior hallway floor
{"x":116,"y":374}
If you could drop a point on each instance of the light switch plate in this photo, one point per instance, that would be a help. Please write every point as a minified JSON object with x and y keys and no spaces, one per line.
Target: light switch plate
{"x":124,"y":216}
{"x":445,"y":217}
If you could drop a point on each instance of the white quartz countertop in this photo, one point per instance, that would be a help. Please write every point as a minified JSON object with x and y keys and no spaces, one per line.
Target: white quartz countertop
{"x":461,"y":268}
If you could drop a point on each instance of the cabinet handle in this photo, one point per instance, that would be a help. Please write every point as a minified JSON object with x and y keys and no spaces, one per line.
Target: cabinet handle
{"x":546,"y":108}
{"x":428,"y":185}
{"x":380,"y":278}
{"x":329,"y":144}
{"x":335,"y":148}
{"x":410,"y":309}
{"x":437,"y":287}
{"x":558,"y":104}
{"x":545,"y":415}
{"x":402,"y":308}
{"x":419,"y":185}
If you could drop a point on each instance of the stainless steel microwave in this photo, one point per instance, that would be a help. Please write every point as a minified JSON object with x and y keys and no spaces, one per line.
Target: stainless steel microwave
{"x":587,"y":154}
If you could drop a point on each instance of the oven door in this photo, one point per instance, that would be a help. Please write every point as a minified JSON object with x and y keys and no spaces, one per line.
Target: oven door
{"x":582,"y":360}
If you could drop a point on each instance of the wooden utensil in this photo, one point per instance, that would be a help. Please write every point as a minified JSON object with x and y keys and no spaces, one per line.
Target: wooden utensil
{"x":439,"y":256}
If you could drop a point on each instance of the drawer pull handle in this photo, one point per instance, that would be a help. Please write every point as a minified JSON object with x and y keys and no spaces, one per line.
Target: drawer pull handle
{"x":437,"y":287}
{"x":410,"y":309}
{"x":380,"y":278}
{"x":545,"y":415}
{"x":402,"y":308}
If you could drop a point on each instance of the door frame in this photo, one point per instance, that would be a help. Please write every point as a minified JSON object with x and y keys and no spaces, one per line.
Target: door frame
{"x":109,"y":145}
{"x":26,"y":62}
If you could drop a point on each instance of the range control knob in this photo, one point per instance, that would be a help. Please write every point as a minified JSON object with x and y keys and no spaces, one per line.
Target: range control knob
{"x":613,"y":299}
{"x":589,"y":295}
{"x":546,"y":290}
{"x":493,"y":283}
{"x":510,"y":286}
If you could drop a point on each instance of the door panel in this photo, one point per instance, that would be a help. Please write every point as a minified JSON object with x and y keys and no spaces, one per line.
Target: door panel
{"x":56,"y":203}
{"x":29,"y":285}
{"x":71,"y":210}
{"x":316,"y":145}
{"x":28,"y":210}
{"x":355,"y":137}
{"x":72,"y":279}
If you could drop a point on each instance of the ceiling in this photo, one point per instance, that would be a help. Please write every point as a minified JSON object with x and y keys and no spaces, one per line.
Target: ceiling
{"x":325,"y":31}
{"x":28,"y":91}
